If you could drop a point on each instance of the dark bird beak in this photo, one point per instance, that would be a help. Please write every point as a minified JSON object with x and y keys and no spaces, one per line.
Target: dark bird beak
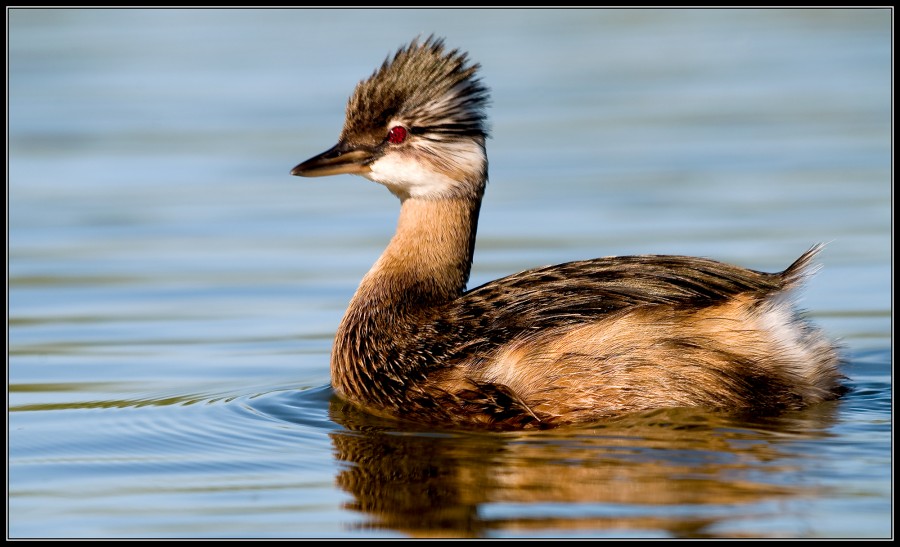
{"x":341,"y":158}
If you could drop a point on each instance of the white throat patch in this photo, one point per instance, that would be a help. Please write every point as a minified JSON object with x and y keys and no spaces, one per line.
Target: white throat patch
{"x":429,"y":169}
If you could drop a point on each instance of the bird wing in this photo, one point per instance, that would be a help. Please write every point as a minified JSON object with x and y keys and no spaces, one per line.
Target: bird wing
{"x":579,"y":292}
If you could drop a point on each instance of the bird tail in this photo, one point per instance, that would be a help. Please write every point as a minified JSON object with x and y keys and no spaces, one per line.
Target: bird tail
{"x":802,"y":268}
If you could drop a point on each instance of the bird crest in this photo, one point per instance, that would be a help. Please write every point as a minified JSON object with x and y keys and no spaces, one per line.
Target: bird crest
{"x":432,"y":91}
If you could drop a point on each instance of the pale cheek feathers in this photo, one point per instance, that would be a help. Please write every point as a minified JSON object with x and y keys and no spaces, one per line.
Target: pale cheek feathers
{"x":412,"y":173}
{"x":405,"y":176}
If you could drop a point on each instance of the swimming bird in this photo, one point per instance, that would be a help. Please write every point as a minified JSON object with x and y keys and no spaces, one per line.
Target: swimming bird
{"x":566,"y":344}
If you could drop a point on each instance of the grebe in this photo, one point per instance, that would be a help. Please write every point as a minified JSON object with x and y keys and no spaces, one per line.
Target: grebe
{"x":564,"y":344}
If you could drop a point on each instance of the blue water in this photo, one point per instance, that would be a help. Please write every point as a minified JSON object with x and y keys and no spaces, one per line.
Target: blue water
{"x":173,"y":292}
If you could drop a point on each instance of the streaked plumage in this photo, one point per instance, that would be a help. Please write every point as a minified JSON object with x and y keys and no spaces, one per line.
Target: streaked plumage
{"x":570,"y":343}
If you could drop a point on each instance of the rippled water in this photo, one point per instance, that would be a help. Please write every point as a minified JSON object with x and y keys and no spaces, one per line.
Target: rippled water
{"x":173,"y":292}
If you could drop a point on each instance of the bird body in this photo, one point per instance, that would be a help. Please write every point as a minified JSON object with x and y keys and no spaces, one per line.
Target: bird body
{"x":571,"y":343}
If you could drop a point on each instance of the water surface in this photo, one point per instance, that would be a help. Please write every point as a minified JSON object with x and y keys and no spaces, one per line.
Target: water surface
{"x":173,"y":292}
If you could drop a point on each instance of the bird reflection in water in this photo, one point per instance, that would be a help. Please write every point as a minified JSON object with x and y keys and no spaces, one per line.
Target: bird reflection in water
{"x":670,"y":473}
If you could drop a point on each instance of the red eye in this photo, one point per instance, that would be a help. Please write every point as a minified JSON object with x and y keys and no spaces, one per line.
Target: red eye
{"x":397,"y":134}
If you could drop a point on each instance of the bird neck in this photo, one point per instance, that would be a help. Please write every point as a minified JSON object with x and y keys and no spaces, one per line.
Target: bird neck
{"x":429,"y":258}
{"x":425,"y":265}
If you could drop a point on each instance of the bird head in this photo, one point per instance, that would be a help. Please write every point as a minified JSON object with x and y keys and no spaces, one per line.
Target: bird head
{"x":417,"y":125}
